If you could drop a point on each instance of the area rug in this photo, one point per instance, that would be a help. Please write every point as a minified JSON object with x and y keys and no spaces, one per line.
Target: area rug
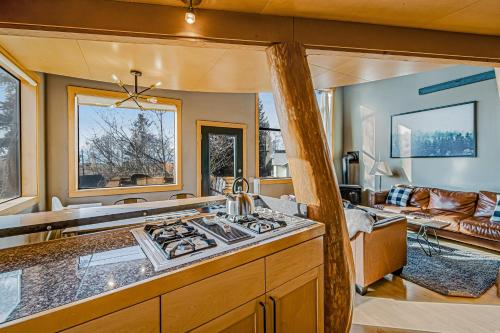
{"x":453,"y":272}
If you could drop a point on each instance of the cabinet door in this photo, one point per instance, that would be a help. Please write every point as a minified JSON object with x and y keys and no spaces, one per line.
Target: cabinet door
{"x":140,"y":318}
{"x":248,"y":318}
{"x":196,"y":304}
{"x":297,"y":305}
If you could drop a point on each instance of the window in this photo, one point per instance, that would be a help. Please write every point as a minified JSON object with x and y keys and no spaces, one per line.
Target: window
{"x":271,"y":157}
{"x":124,"y":149}
{"x":10,"y":137}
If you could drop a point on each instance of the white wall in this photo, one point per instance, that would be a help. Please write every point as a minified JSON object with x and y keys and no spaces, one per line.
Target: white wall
{"x":367,"y":111}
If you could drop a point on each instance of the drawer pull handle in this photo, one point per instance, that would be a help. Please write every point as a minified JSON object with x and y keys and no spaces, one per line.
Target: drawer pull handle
{"x":274,"y":313}
{"x":263,"y":306}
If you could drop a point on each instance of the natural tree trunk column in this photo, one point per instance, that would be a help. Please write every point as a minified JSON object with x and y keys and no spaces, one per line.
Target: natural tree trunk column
{"x":313,"y":176}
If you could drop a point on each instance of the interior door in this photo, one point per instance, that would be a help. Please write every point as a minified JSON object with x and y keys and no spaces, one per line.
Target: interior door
{"x":297,"y":305}
{"x":221,"y":158}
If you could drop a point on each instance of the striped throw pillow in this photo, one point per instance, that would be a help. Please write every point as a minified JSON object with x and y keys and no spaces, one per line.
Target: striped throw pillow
{"x":496,"y":213}
{"x":399,"y":196}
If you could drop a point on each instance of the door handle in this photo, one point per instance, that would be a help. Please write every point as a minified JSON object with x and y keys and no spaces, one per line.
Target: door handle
{"x":263,"y":306}
{"x":274,"y":313}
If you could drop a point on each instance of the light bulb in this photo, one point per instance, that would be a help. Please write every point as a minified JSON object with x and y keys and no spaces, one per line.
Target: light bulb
{"x":190,"y":17}
{"x":115,"y":78}
{"x":153,"y":100}
{"x":157,"y":84}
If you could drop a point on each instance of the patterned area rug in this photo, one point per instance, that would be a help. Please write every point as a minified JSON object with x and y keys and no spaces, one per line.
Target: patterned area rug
{"x":453,"y":272}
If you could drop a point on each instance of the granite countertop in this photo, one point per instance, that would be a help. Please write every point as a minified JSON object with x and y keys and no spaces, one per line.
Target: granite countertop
{"x":13,"y":225}
{"x":46,"y":275}
{"x":43,"y":276}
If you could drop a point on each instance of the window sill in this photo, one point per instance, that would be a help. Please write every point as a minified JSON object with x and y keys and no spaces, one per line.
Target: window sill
{"x":276,"y":180}
{"x":124,"y":190}
{"x":17,"y":205}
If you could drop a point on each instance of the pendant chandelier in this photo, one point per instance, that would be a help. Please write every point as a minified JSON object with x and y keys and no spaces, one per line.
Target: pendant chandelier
{"x":135,"y":95}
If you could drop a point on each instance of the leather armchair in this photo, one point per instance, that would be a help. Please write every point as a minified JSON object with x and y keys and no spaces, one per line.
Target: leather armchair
{"x":381,"y":252}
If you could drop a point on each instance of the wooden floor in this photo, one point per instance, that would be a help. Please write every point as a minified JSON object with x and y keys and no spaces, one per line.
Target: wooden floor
{"x":396,"y":305}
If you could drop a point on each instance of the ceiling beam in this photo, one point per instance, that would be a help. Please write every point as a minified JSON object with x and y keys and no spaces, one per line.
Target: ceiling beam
{"x":114,"y":18}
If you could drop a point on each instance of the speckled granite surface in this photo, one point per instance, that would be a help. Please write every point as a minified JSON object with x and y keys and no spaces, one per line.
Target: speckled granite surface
{"x":42,"y":276}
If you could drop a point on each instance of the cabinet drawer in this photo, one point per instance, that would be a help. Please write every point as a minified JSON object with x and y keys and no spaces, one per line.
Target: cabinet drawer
{"x":290,"y":263}
{"x":141,"y":318}
{"x":191,"y":306}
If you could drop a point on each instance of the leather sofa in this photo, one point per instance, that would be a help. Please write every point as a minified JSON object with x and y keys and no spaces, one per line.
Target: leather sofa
{"x":381,"y":252}
{"x":468,"y":213}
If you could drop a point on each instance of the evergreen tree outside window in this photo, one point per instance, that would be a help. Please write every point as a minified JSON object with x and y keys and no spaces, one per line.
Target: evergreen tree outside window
{"x":10,"y":137}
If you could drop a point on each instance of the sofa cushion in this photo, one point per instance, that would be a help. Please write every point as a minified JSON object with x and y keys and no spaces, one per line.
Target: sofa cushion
{"x":480,"y":227}
{"x":461,"y":202}
{"x":420,"y":197}
{"x":485,"y":204}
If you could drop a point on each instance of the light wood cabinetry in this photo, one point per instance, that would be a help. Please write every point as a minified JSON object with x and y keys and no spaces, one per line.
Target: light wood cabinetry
{"x":292,"y":278}
{"x":292,"y":262}
{"x":285,"y":288}
{"x":297,"y":305}
{"x":189,"y":307}
{"x":248,"y":318}
{"x":140,"y":318}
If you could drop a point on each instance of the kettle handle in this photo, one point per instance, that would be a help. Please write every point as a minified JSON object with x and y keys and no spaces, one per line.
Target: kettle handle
{"x":242,"y":180}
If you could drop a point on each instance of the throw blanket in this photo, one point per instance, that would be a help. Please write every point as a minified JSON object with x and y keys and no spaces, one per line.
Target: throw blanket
{"x":358,"y":220}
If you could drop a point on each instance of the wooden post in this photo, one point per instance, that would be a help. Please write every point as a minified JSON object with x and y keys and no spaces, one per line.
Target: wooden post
{"x":314,"y":180}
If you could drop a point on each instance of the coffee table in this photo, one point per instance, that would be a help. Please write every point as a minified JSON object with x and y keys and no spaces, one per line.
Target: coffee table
{"x":426,"y":231}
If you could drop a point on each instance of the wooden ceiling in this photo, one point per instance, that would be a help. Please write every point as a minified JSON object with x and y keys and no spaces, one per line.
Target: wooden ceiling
{"x":473,"y":16}
{"x":194,"y":67}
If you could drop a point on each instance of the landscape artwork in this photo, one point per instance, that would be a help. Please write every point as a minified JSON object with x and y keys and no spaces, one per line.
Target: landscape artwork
{"x":447,"y":131}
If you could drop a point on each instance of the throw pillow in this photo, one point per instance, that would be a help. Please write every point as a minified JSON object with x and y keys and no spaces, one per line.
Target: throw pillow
{"x":496,"y":213}
{"x":399,"y":196}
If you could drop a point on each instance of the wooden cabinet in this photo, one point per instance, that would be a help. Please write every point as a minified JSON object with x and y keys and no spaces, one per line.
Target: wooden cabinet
{"x":292,"y":262}
{"x":189,"y":307}
{"x":297,"y":305}
{"x":285,"y":288}
{"x":141,"y":318}
{"x":248,"y":318}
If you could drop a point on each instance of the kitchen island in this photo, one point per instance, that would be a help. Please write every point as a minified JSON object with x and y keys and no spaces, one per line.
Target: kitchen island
{"x":103,"y":282}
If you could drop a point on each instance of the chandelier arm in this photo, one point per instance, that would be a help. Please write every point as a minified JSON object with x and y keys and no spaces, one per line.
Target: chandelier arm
{"x":126,"y":99}
{"x":143,"y":91}
{"x":139,"y":105}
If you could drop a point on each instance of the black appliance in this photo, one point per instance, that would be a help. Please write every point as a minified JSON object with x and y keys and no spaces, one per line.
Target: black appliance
{"x":352,"y":193}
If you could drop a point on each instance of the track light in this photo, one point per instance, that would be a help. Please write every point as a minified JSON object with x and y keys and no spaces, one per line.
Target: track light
{"x":190,"y":17}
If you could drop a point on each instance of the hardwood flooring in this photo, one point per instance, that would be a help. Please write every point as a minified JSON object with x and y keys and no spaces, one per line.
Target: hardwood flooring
{"x":396,"y":305}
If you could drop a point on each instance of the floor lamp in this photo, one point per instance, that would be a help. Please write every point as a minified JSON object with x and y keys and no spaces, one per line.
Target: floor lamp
{"x":379,"y":169}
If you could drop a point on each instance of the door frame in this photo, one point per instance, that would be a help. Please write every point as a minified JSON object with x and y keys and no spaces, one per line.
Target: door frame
{"x":199,"y":124}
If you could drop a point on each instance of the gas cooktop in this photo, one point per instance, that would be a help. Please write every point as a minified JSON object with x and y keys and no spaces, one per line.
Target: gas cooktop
{"x":174,"y":241}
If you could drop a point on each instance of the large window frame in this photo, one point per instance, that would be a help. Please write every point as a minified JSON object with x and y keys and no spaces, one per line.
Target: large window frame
{"x":19,"y":134}
{"x":73,"y":161}
{"x":327,"y":111}
{"x":31,"y":136}
{"x":265,"y":180}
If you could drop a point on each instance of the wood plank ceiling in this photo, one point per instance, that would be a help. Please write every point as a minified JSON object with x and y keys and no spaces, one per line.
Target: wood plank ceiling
{"x":211,"y":68}
{"x":472,"y":16}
